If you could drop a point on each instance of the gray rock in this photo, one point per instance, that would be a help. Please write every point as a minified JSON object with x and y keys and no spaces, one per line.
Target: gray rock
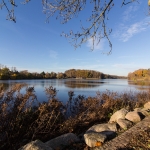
{"x":144,"y":111}
{"x":147,"y":105}
{"x":36,"y":145}
{"x":118,"y":114}
{"x":99,"y":133}
{"x":137,"y":109}
{"x":109,"y":134}
{"x":63,"y":140}
{"x":134,"y":116}
{"x":124,"y":124}
{"x":91,"y":139}
{"x":103,"y":127}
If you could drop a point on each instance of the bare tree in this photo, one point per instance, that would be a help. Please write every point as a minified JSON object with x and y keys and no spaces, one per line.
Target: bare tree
{"x":65,"y":10}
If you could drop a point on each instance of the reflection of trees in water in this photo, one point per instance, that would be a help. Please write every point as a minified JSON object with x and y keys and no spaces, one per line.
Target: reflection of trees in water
{"x":143,"y":88}
{"x":82,"y":84}
{"x":8,"y":86}
{"x":140,"y":85}
{"x":5,"y":86}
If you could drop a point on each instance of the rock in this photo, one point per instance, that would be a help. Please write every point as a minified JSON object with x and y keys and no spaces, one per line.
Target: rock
{"x":103,"y":127}
{"x":118,"y":114}
{"x":147,"y":105}
{"x":109,"y":134}
{"x":91,"y":139}
{"x":99,"y":133}
{"x":124,"y":124}
{"x":63,"y":140}
{"x":137,"y":109}
{"x":36,"y":145}
{"x":134,"y":116}
{"x":144,"y":111}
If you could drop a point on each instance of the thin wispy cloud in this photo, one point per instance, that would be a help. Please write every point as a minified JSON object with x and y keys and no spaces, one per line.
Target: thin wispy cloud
{"x":98,"y":45}
{"x":129,"y":56}
{"x":125,"y":32}
{"x":129,"y":27}
{"x":132,"y":30}
{"x":53,"y":54}
{"x":128,"y":66}
{"x":129,"y":13}
{"x":122,"y":65}
{"x":86,"y":67}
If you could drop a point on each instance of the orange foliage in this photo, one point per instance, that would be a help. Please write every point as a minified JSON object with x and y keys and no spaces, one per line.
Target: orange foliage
{"x":139,"y":74}
{"x":97,"y":144}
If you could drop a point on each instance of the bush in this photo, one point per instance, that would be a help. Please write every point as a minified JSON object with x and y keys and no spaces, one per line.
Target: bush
{"x":23,"y":118}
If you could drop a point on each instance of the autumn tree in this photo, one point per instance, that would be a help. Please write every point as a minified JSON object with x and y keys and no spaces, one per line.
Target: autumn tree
{"x":139,"y":74}
{"x":65,"y":10}
{"x":71,"y":73}
{"x":4,"y":73}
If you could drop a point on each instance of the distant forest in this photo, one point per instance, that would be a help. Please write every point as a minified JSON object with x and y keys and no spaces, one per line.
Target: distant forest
{"x":140,"y":74}
{"x":12,"y":73}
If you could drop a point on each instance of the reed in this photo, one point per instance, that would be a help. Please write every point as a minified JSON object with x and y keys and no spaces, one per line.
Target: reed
{"x":23,"y":118}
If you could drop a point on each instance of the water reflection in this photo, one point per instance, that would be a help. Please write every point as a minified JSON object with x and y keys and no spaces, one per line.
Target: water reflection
{"x":83,"y":87}
{"x":140,"y":85}
{"x":82,"y":83}
{"x":5,"y":86}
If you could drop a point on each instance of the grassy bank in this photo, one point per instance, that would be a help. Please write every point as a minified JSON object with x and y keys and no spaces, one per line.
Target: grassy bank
{"x":23,"y":118}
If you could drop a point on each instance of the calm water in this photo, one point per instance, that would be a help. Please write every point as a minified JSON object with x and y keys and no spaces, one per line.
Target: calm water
{"x":82,"y":87}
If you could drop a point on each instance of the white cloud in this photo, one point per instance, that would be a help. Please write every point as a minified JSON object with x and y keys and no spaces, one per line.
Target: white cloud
{"x":53,"y":54}
{"x":132,"y":30}
{"x":128,"y":14}
{"x":98,"y":45}
{"x":125,"y":32}
{"x":130,"y":26}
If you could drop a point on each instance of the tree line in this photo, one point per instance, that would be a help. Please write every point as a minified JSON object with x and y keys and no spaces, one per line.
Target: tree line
{"x":140,"y":74}
{"x":12,"y":73}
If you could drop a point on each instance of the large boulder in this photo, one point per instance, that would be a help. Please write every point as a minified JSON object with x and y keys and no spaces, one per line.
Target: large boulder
{"x":147,"y":105}
{"x":134,"y":116}
{"x":36,"y":145}
{"x":144,"y":111}
{"x":118,"y":114}
{"x":137,"y":109}
{"x":92,"y":139}
{"x":61,"y":141}
{"x":124,"y":124}
{"x":97,"y":134}
{"x":103,"y":127}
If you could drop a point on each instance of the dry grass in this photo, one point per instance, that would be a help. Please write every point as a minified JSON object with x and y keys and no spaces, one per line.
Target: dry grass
{"x":23,"y":118}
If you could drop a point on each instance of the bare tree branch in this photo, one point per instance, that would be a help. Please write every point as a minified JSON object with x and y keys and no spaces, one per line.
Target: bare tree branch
{"x":65,"y":10}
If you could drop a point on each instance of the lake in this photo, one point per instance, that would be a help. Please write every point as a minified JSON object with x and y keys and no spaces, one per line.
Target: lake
{"x":79,"y":86}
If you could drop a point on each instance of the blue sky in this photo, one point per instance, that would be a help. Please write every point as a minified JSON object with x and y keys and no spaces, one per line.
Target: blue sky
{"x":31,"y":44}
